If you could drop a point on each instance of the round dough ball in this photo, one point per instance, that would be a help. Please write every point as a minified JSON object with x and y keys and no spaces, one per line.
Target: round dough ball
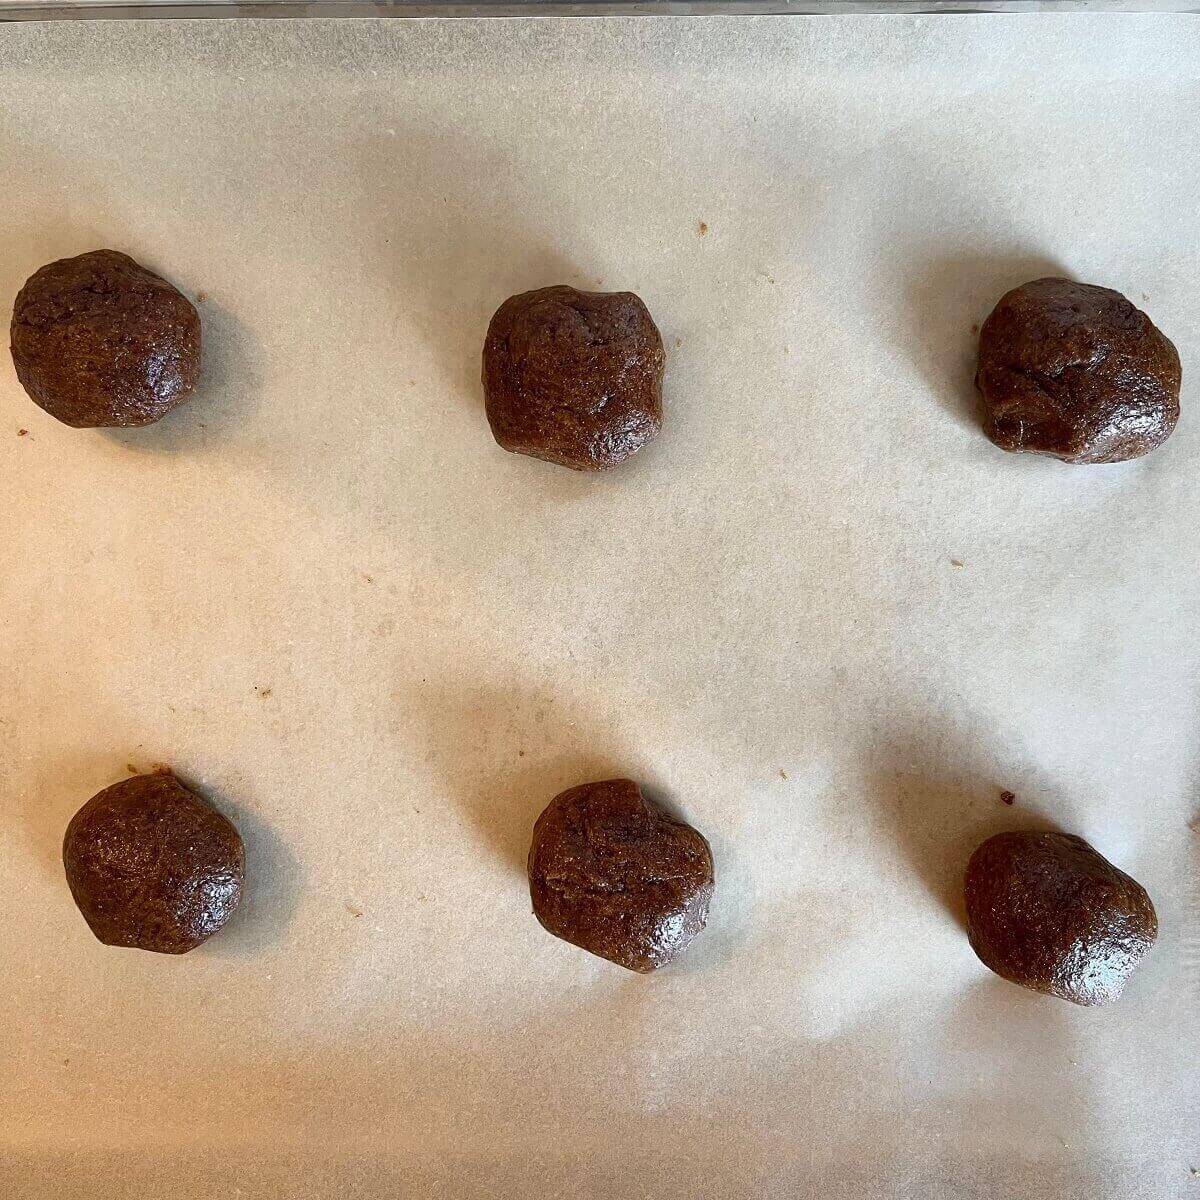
{"x":1076,"y":372}
{"x":153,"y":866}
{"x":99,"y":341}
{"x":1046,"y":911}
{"x":574,"y":377}
{"x":610,"y":872}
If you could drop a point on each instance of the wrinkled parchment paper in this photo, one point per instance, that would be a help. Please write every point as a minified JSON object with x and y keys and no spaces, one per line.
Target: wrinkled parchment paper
{"x":822,"y":615}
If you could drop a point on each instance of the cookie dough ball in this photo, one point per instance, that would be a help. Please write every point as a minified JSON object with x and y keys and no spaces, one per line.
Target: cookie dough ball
{"x":1046,"y":911}
{"x":610,"y":872}
{"x":152,"y":866}
{"x":1076,"y":372}
{"x":100,"y":341}
{"x":573,"y":377}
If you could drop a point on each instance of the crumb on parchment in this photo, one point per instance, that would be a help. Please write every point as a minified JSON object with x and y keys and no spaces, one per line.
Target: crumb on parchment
{"x":1007,"y":797}
{"x":702,"y":228}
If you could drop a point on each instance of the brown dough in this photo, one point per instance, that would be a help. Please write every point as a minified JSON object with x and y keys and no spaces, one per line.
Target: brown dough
{"x":152,"y":866}
{"x":1076,"y":372}
{"x":100,"y":341}
{"x":1046,"y":911}
{"x":573,"y":377}
{"x":610,"y":872}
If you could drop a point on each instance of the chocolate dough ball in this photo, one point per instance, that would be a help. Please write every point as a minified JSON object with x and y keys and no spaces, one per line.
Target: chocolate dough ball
{"x":100,"y":341}
{"x":573,"y":377}
{"x":1046,"y":911}
{"x":151,"y":865}
{"x":609,"y":871}
{"x":1076,"y":372}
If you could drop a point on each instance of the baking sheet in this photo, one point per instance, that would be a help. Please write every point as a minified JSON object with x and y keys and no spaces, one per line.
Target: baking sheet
{"x":323,"y":595}
{"x":51,"y":10}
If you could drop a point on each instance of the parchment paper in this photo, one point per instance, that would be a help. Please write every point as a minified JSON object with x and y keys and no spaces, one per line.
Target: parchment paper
{"x":822,"y":615}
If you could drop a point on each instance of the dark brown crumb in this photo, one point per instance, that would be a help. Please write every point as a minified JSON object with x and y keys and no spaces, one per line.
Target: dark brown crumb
{"x":702,"y":228}
{"x":201,"y":297}
{"x":353,"y":910}
{"x":368,"y":578}
{"x":131,"y":769}
{"x":1007,"y":797}
{"x":520,"y":753}
{"x":782,"y":773}
{"x":975,"y":327}
{"x":957,"y":562}
{"x":264,"y":693}
{"x":22,"y":433}
{"x":678,"y":343}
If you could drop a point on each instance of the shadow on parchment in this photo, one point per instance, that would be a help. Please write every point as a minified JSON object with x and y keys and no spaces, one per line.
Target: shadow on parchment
{"x":274,"y":879}
{"x":229,"y":390}
{"x":936,"y":284}
{"x":939,"y":803}
{"x":457,"y":236}
{"x":946,"y":299}
{"x":506,"y":753}
{"x":273,"y":887}
{"x":230,"y":378}
{"x":61,"y":789}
